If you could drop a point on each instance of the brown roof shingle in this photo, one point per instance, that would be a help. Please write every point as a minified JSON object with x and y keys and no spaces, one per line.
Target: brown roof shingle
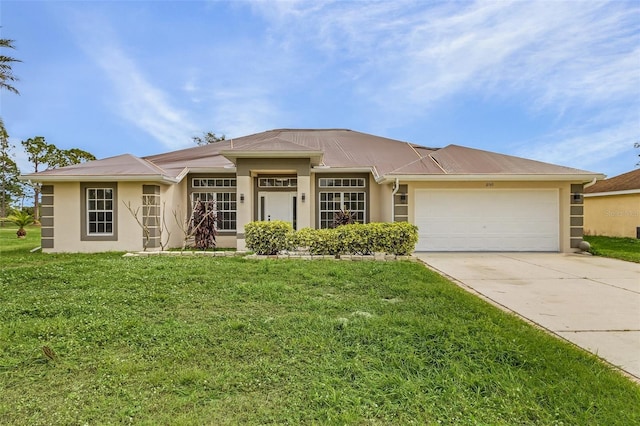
{"x":624,"y":182}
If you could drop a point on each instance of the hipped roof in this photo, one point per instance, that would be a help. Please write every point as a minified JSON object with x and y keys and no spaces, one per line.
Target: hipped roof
{"x":328,"y":149}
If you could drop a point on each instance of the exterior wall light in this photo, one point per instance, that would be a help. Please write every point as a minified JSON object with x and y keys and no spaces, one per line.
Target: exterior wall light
{"x":242,"y":198}
{"x":303,"y":197}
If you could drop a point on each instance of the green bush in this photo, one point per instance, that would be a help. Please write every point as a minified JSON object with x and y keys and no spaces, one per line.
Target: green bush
{"x":397,"y":238}
{"x":268,"y":237}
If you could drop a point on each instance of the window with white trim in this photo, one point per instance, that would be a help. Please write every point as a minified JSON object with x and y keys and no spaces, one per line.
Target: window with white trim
{"x":213,"y":182}
{"x":277,"y":182}
{"x":100,"y":215}
{"x":341,"y":182}
{"x":225,"y":207}
{"x":332,"y":202}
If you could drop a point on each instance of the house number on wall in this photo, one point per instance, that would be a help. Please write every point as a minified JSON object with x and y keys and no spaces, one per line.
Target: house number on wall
{"x":489,"y":184}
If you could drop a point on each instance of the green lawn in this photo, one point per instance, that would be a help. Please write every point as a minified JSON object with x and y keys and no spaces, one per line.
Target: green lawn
{"x":618,"y":248}
{"x":194,"y":340}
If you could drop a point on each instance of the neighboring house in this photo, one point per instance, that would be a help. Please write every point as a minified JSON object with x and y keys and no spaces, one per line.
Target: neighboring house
{"x":461,"y":199}
{"x":612,"y":206}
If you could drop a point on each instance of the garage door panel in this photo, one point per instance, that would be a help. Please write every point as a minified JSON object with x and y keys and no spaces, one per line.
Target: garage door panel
{"x":478,"y":220}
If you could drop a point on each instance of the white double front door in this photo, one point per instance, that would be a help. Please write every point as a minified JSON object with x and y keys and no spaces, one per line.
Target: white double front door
{"x":277,"y":206}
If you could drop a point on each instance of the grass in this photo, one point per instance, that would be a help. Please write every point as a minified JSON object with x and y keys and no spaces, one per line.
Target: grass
{"x":190,"y":340}
{"x":618,"y":248}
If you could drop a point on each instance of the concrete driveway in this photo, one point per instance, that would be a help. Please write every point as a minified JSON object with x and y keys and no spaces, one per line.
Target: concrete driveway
{"x":593,"y":302}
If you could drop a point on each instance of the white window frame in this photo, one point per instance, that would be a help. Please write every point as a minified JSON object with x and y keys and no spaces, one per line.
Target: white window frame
{"x":342,"y":204}
{"x":101,"y":206}
{"x":277,"y":182}
{"x":342,"y":183}
{"x":213,"y":183}
{"x":229,"y":199}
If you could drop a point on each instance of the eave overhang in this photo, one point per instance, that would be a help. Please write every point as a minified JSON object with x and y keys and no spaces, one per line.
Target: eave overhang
{"x":611,"y":193}
{"x":100,"y":178}
{"x":390,"y":178}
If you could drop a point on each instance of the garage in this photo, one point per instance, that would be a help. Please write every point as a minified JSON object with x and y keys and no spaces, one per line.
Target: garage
{"x":487,"y":220}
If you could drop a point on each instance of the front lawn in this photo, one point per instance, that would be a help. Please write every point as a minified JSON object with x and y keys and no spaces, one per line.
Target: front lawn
{"x":194,"y":340}
{"x":617,"y":248}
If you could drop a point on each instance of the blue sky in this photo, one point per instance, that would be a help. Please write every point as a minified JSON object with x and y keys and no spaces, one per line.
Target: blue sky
{"x":553,"y":81}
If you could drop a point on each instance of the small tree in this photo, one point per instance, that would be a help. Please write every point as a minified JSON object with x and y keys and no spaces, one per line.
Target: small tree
{"x":22,"y":219}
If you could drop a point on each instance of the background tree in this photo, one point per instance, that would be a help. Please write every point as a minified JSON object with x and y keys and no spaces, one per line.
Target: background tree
{"x":44,"y":155}
{"x":207,"y":138}
{"x":67,"y":157}
{"x":6,"y":73}
{"x":10,"y":186}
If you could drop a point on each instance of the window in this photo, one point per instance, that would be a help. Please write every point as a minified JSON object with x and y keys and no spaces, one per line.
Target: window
{"x":277,"y":182}
{"x":342,"y":182}
{"x":225,"y":207}
{"x":332,"y":202}
{"x":214,"y":182}
{"x":99,"y":211}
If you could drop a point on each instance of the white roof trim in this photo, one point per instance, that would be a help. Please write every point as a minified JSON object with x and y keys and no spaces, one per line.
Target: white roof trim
{"x":604,"y":194}
{"x":490,"y":177}
{"x":100,"y":178}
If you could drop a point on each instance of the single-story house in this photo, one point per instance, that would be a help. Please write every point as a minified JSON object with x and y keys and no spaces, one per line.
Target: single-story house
{"x":461,"y":199}
{"x":612,"y":206}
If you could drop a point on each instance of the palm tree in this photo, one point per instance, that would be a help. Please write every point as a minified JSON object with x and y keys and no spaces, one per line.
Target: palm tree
{"x":6,"y":74}
{"x":22,"y":219}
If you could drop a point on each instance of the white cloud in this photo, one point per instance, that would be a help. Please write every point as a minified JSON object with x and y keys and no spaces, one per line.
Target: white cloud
{"x":562,"y":53}
{"x":137,"y":100}
{"x":575,"y":61}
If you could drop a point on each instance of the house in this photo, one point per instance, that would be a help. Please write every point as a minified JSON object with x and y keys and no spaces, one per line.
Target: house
{"x":612,"y":206}
{"x":461,"y":199}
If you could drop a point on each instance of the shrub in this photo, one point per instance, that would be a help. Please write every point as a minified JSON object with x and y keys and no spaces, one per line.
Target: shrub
{"x":268,"y":237}
{"x":397,"y":238}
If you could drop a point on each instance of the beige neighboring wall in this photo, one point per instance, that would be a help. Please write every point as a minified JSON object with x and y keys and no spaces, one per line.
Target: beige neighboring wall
{"x":614,"y":215}
{"x":564,"y":202}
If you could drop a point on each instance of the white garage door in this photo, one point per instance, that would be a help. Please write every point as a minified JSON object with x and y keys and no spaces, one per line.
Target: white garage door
{"x":487,"y":220}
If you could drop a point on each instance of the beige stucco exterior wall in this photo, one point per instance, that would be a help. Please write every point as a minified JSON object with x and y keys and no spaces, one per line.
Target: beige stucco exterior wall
{"x":380,"y":201}
{"x":612,"y":215}
{"x":564,"y":199}
{"x":67,"y":220}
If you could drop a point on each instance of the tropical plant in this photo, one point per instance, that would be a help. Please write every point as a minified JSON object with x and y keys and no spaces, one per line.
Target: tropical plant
{"x":203,"y":224}
{"x":343,"y":217}
{"x":6,"y":73}
{"x":21,"y":219}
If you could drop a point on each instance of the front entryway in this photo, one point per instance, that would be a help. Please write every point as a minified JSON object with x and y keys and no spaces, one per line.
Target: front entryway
{"x":277,"y":206}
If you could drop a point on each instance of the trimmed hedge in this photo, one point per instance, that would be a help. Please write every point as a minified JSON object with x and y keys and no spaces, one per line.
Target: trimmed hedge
{"x":268,"y":237}
{"x":398,"y":238}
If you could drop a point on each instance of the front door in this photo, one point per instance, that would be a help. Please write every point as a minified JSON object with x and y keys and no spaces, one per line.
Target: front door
{"x":277,"y":206}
